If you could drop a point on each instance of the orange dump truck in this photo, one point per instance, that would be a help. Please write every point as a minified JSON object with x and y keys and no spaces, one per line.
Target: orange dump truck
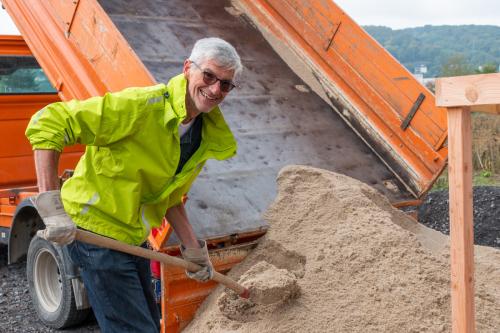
{"x":302,"y":59}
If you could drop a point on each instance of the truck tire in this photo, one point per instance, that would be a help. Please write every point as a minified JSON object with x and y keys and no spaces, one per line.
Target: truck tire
{"x":51,"y":290}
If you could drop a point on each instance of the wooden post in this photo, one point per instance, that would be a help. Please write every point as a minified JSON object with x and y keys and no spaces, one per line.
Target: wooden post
{"x":461,"y":220}
{"x":463,"y":95}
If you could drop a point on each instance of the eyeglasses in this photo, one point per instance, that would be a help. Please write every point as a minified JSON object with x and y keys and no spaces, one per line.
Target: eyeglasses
{"x":211,"y":78}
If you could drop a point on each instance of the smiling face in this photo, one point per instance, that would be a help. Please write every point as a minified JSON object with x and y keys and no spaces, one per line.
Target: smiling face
{"x":202,"y":97}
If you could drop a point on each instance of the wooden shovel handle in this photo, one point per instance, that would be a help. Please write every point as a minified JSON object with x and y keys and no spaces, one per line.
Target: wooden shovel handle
{"x":101,"y":241}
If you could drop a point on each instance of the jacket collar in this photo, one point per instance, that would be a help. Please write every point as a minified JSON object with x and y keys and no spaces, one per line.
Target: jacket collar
{"x":176,"y":91}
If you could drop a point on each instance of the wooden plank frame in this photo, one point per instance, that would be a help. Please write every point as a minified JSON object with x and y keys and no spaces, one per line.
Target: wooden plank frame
{"x":461,"y":96}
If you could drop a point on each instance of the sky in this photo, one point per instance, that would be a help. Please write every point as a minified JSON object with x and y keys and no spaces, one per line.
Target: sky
{"x":399,"y":14}
{"x":396,"y":14}
{"x":7,"y":27}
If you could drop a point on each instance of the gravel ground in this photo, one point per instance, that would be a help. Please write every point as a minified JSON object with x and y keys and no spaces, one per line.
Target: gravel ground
{"x":434,"y":214}
{"x":17,"y":313}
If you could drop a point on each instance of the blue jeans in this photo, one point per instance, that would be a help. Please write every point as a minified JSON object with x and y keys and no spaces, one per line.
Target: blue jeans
{"x":119,"y":288}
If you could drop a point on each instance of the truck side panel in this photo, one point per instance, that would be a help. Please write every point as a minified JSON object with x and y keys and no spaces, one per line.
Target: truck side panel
{"x":16,"y":156}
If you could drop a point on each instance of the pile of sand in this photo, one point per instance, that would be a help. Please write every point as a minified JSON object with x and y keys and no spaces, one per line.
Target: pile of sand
{"x":350,"y":263}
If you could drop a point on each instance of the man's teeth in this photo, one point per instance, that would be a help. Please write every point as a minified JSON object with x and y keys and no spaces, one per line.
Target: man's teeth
{"x":206,"y":96}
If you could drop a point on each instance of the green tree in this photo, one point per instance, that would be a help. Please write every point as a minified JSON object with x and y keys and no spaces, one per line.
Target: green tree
{"x":434,"y":45}
{"x":487,"y":68}
{"x":456,"y":65}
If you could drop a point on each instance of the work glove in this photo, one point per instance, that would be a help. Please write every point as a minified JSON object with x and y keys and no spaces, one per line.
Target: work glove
{"x":59,"y":228}
{"x":199,"y":256}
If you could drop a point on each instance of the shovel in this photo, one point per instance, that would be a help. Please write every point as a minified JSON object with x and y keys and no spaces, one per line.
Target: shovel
{"x":101,"y":241}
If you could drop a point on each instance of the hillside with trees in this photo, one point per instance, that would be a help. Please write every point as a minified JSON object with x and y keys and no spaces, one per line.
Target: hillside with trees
{"x":445,"y":50}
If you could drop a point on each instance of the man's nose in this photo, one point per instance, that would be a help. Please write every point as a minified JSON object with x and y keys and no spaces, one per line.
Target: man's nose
{"x":215,"y":88}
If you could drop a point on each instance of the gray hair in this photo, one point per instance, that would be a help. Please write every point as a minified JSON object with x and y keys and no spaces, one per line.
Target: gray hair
{"x":218,"y":50}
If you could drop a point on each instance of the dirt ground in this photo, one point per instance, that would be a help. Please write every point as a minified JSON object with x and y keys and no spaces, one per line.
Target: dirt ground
{"x":371,"y":275}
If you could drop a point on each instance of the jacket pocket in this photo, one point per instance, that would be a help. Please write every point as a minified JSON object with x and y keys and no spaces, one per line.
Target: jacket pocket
{"x":107,"y":162}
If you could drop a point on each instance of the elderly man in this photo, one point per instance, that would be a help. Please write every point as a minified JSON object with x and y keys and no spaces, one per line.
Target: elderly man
{"x":145,"y":147}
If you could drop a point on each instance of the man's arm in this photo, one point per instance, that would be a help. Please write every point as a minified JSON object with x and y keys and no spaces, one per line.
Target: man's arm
{"x":177,"y":218}
{"x":97,"y":121}
{"x":46,"y":164}
{"x":192,"y":249}
{"x":59,"y":227}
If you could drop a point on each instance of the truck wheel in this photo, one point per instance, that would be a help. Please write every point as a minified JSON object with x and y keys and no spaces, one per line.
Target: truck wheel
{"x":50,"y":289}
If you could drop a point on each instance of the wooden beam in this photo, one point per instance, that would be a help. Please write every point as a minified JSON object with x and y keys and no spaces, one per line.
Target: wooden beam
{"x":461,"y":220}
{"x":468,"y":90}
{"x":492,"y":108}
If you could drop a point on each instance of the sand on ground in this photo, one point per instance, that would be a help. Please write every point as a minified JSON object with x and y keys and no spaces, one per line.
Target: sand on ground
{"x":350,"y":263}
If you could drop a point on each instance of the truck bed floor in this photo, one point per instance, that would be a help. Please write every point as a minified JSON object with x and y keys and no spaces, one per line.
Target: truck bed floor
{"x":275,"y":121}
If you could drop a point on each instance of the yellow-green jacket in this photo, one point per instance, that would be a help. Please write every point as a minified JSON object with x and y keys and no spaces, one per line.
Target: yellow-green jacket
{"x":125,"y":181}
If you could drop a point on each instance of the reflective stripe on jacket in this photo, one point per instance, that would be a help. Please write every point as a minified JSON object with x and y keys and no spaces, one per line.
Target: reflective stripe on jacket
{"x":125,"y":181}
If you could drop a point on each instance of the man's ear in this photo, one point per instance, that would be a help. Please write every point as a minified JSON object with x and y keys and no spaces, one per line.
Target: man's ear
{"x":186,"y":67}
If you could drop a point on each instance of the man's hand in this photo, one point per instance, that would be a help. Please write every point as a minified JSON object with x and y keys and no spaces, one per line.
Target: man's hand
{"x":199,"y":256}
{"x":59,"y":228}
{"x":192,"y":249}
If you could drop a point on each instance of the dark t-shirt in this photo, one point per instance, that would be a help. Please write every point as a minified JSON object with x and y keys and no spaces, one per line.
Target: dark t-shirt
{"x":190,"y":142}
